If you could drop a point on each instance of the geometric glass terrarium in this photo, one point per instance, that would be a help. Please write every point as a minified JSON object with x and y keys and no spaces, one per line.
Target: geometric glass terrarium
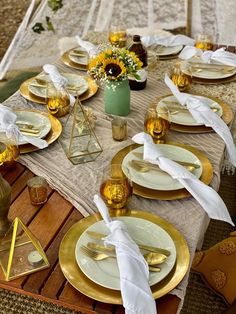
{"x":20,"y":252}
{"x":78,"y":138}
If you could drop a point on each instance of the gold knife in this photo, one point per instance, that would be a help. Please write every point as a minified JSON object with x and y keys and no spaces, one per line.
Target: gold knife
{"x":183,"y":163}
{"x":99,"y":236}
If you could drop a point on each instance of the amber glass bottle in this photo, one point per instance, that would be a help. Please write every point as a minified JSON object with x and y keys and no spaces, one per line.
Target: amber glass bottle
{"x":141,"y":53}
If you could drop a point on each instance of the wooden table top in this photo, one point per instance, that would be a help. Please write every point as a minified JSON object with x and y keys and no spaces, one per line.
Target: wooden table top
{"x":49,"y":223}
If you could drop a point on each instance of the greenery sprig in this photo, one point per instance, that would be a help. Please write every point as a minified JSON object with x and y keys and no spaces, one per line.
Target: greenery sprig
{"x":40,"y":27}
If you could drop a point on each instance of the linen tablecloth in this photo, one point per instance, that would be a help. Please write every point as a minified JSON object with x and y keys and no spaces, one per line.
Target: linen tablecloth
{"x":79,"y":183}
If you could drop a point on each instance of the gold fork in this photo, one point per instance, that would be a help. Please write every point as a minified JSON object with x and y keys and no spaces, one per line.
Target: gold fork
{"x":151,"y":258}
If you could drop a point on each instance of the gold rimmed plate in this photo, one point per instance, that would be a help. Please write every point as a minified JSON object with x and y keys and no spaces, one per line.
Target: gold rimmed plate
{"x":25,"y":92}
{"x":83,"y":284}
{"x":226,"y":116}
{"x":52,"y":136}
{"x":206,"y":176}
{"x":66,"y":59}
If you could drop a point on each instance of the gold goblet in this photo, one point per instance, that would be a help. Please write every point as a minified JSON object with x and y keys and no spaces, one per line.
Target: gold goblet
{"x":182,"y":76}
{"x":157,"y":122}
{"x":204,"y":42}
{"x":117,"y":35}
{"x":9,"y":153}
{"x":58,"y":101}
{"x":116,"y":188}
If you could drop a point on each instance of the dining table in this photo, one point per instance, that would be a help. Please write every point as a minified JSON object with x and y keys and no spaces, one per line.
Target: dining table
{"x":72,"y":188}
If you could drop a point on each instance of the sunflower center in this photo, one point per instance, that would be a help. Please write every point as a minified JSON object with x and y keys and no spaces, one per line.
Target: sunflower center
{"x":113,"y":69}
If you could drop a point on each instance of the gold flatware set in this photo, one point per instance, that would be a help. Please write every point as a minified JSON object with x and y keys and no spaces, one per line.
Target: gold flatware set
{"x":176,"y":107}
{"x":182,"y":163}
{"x":99,"y":252}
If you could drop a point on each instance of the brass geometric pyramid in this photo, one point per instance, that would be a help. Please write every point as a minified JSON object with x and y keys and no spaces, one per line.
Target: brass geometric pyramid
{"x":20,"y":252}
{"x":78,"y":138}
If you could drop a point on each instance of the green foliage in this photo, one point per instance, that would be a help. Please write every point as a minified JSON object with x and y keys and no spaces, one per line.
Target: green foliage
{"x":39,"y":27}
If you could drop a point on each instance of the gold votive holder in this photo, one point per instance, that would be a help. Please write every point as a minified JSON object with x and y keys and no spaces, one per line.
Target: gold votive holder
{"x":181,"y":76}
{"x":38,"y":190}
{"x":119,"y":129}
{"x":58,"y":101}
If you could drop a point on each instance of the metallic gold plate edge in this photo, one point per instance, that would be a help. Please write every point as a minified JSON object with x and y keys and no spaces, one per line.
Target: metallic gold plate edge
{"x":52,"y":136}
{"x":80,"y":282}
{"x":206,"y":177}
{"x":24,"y":90}
{"x":227,"y":117}
{"x":67,"y":61}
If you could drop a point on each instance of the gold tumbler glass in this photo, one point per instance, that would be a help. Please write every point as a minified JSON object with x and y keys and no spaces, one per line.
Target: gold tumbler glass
{"x":116,"y":187}
{"x":157,"y":122}
{"x":9,"y":154}
{"x":117,"y":35}
{"x":204,"y":42}
{"x":58,"y":101}
{"x":182,"y":76}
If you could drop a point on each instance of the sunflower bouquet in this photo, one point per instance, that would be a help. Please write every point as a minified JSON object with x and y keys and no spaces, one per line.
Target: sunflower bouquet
{"x":114,"y":64}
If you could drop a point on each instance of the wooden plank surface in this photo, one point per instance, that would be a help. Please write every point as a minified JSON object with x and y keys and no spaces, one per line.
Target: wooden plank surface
{"x":49,"y":223}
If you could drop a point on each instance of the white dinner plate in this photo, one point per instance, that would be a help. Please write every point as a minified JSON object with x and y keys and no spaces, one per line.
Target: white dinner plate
{"x":81,"y":60}
{"x":105,"y":272}
{"x":166,"y":51}
{"x":75,"y":80}
{"x":206,"y":73}
{"x":184,"y":117}
{"x":36,"y":119}
{"x":160,"y":180}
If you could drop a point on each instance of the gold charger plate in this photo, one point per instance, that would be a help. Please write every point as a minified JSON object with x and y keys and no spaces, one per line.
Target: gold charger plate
{"x":80,"y":282}
{"x":56,"y":129}
{"x":67,"y":61}
{"x":227,"y":117}
{"x":24,"y":90}
{"x":206,"y":177}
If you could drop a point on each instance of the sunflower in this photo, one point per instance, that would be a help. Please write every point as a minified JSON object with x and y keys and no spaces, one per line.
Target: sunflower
{"x":113,"y":68}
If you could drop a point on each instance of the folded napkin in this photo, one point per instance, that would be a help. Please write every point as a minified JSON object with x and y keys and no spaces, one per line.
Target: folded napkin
{"x":89,"y":47}
{"x":208,"y":56}
{"x":205,"y":195}
{"x":135,"y":290}
{"x":167,"y":41}
{"x":58,"y":80}
{"x":203,"y":114}
{"x":11,"y":130}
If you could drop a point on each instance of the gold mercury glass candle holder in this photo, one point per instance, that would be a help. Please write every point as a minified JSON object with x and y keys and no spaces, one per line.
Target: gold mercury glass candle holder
{"x":38,"y":190}
{"x":204,"y":42}
{"x":182,"y":76}
{"x":116,"y":187}
{"x":119,"y":129}
{"x":57,"y":100}
{"x":157,"y":122}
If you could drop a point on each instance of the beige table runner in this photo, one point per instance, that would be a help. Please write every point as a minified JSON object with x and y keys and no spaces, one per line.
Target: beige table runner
{"x":79,"y":183}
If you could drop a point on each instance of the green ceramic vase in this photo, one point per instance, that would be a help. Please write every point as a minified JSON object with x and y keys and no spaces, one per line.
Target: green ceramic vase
{"x":117,"y":98}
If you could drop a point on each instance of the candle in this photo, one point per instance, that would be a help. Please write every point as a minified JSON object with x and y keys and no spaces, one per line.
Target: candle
{"x":119,"y":129}
{"x":35,"y":259}
{"x":38,"y":190}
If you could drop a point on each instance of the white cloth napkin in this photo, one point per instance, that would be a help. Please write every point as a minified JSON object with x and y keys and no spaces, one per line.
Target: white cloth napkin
{"x":203,"y":114}
{"x":209,"y":56}
{"x":11,"y":130}
{"x":167,"y":41}
{"x":89,"y":47}
{"x":205,"y":195}
{"x":135,"y":290}
{"x":58,"y":80}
